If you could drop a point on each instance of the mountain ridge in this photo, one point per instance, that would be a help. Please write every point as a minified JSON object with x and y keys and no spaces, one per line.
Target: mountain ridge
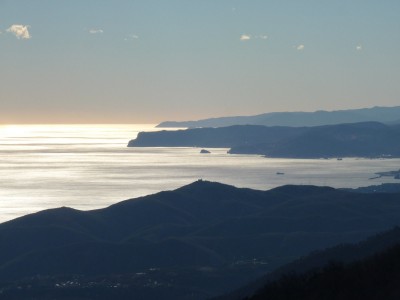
{"x":297,"y":119}
{"x":206,"y":237}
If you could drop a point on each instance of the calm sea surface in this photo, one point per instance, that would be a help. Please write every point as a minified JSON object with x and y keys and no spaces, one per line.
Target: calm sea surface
{"x":89,"y":166}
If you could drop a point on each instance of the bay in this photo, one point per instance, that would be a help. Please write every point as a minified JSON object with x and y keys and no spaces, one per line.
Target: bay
{"x":89,"y":166}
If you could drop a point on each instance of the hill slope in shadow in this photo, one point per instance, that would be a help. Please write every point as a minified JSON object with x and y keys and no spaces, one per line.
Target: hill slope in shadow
{"x":374,"y":277}
{"x":317,"y":262}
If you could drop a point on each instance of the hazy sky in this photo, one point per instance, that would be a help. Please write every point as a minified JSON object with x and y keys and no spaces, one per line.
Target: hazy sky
{"x":127,"y":61}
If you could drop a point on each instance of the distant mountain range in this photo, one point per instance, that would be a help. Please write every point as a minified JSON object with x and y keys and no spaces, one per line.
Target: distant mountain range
{"x":195,"y":242}
{"x":368,"y":139}
{"x":387,"y":115}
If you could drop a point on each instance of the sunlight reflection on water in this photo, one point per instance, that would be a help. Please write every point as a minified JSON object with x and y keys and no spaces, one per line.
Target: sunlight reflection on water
{"x":89,"y":166}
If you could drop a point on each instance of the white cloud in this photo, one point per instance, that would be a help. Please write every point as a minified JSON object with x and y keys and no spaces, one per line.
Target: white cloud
{"x":247,"y":37}
{"x":359,"y":47}
{"x":300,"y":47}
{"x":131,"y":37}
{"x":20,"y":31}
{"x":95,"y":31}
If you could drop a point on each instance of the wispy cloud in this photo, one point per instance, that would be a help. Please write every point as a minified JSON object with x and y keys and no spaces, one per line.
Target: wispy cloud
{"x":131,"y":37}
{"x":245,"y":37}
{"x":300,"y":47}
{"x":96,"y":31}
{"x":20,"y":31}
{"x":359,"y":47}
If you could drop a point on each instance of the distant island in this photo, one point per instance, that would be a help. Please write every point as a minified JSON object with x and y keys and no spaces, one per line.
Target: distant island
{"x":367,"y":139}
{"x":387,"y":115}
{"x":198,"y":241}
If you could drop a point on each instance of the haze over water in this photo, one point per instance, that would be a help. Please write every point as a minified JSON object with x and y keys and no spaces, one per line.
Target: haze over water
{"x":89,"y":166}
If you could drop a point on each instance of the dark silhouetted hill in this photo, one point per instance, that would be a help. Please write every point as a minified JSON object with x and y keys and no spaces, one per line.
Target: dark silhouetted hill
{"x":368,"y":139}
{"x":388,"y":115}
{"x":195,"y":242}
{"x":318,"y":260}
{"x":374,"y":277}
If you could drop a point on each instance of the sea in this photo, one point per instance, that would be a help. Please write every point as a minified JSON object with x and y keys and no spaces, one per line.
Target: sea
{"x":90,"y":166}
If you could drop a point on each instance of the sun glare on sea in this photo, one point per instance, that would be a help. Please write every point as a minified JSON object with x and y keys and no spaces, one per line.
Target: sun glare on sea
{"x":16,"y":131}
{"x":69,"y":133}
{"x":13,"y":130}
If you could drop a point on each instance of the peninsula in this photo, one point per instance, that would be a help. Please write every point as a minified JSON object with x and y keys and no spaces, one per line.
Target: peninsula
{"x":367,"y":139}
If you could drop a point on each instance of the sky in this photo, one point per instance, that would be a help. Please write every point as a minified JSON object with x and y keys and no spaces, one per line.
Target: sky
{"x":128,"y":61}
